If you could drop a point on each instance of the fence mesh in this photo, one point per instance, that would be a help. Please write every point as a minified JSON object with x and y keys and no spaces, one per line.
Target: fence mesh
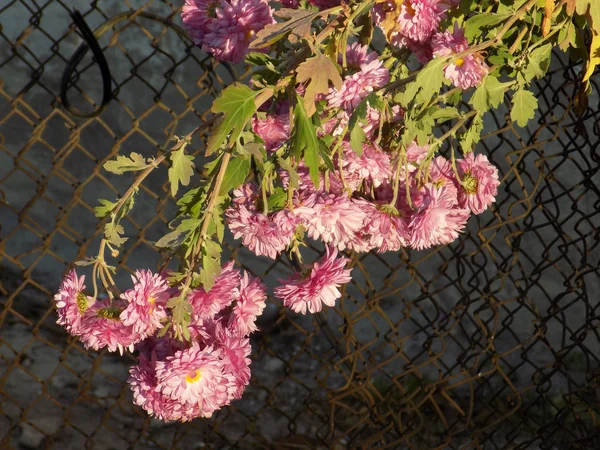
{"x":490,"y":342}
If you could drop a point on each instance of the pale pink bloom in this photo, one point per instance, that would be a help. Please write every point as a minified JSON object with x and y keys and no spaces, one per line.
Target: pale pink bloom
{"x":274,"y":129}
{"x":154,"y":348}
{"x":205,"y":305}
{"x":356,"y":87}
{"x":195,"y":376}
{"x":264,"y":235}
{"x":317,"y":288}
{"x":466,"y":71}
{"x":249,"y":306}
{"x":72,"y":303}
{"x":333,"y":218}
{"x":146,"y":303}
{"x":384,"y":230}
{"x":234,"y":351}
{"x":416,"y":154}
{"x":442,"y":175}
{"x":373,"y":165}
{"x":481,"y":182}
{"x":102,"y":327}
{"x":226,"y":28}
{"x":358,"y":55}
{"x":439,"y":219}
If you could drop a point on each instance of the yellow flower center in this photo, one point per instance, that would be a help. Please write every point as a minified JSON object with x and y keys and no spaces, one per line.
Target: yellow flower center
{"x":439,"y":183}
{"x":470,"y":183}
{"x":459,"y":62}
{"x":151,"y":300}
{"x":192,"y":377}
{"x":82,"y":302}
{"x":109,"y":313}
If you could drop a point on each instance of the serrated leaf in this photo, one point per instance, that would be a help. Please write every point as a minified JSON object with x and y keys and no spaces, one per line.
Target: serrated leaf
{"x":472,"y":135}
{"x":305,"y":142}
{"x":538,"y":62}
{"x":131,"y":163}
{"x":489,"y":94}
{"x":178,"y":236}
{"x":298,"y":26}
{"x":444,"y":114}
{"x":286,"y":165}
{"x":181,"y":170}
{"x":236,"y":173}
{"x":590,"y":9}
{"x":320,"y":70}
{"x":594,"y":56}
{"x":474,"y":25}
{"x":277,"y":200}
{"x":105,"y":208}
{"x":357,"y":138}
{"x":429,"y":81}
{"x":86,"y":262}
{"x":237,"y":105}
{"x":113,"y":233}
{"x":211,"y":264}
{"x":524,"y":106}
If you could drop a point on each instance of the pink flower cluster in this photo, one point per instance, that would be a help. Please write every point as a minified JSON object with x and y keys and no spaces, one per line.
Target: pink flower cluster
{"x":225,"y":28}
{"x":173,"y":380}
{"x":359,"y":211}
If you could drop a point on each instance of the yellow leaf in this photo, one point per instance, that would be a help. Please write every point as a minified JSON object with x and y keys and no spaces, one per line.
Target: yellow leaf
{"x":320,"y":70}
{"x":594,"y":56}
{"x":591,"y":9}
{"x":390,"y":22}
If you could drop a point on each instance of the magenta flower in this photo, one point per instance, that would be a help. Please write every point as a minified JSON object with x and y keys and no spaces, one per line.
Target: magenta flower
{"x":264,"y":235}
{"x":439,"y":219}
{"x":274,"y":129}
{"x":373,"y":165}
{"x":146,"y":303}
{"x":195,"y":376}
{"x":442,"y":175}
{"x":356,"y":87}
{"x":205,"y":305}
{"x":466,"y":71}
{"x":385,"y":230}
{"x":480,"y":178}
{"x":318,"y":287}
{"x":249,"y":306}
{"x":234,"y":351}
{"x":335,"y":219}
{"x":358,"y":55}
{"x":102,"y":327}
{"x":72,"y":303}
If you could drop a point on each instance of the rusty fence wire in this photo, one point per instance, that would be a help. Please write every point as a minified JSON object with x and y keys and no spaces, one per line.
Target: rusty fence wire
{"x":490,"y":342}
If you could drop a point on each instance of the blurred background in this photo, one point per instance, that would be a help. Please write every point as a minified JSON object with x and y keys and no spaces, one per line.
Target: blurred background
{"x":489,"y":342}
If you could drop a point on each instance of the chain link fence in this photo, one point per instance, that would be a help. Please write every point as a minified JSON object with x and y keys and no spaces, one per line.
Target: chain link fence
{"x":490,"y":342}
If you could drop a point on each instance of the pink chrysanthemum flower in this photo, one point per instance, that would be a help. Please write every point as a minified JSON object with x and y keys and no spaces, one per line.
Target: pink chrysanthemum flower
{"x":142,"y":381}
{"x":442,"y":175}
{"x":195,"y":376}
{"x":324,"y":4}
{"x":416,"y":154}
{"x":72,"y":303}
{"x":357,"y":86}
{"x":261,"y":234}
{"x":419,"y":19}
{"x":373,"y":165}
{"x":439,"y":220}
{"x":249,"y":306}
{"x":466,"y":71}
{"x":226,"y":28}
{"x":147,"y":302}
{"x":385,"y":229}
{"x":320,"y":286}
{"x":274,"y":129}
{"x":234,"y":351}
{"x":102,"y":327}
{"x":334,"y":218}
{"x":358,"y":55}
{"x":205,"y":305}
{"x":480,"y":178}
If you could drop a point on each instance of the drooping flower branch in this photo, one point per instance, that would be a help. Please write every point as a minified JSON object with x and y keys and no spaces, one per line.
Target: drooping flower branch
{"x":338,"y":138}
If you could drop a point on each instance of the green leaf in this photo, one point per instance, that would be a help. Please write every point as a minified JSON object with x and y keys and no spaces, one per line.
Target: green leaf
{"x":105,"y":208}
{"x":113,"y":233}
{"x":277,"y":200}
{"x":305,"y":142}
{"x":472,"y":135}
{"x":236,"y":173}
{"x":538,"y":62}
{"x":181,"y":170}
{"x":178,"y":236}
{"x":181,"y":310}
{"x":357,"y":134}
{"x":429,"y":81}
{"x":298,"y":25}
{"x":192,"y":201}
{"x":524,"y":106}
{"x":131,"y":163}
{"x":489,"y":94}
{"x":211,"y":264}
{"x":286,"y":164}
{"x":237,"y":103}
{"x":320,"y":70}
{"x":444,"y":114}
{"x":357,"y":138}
{"x":474,"y":25}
